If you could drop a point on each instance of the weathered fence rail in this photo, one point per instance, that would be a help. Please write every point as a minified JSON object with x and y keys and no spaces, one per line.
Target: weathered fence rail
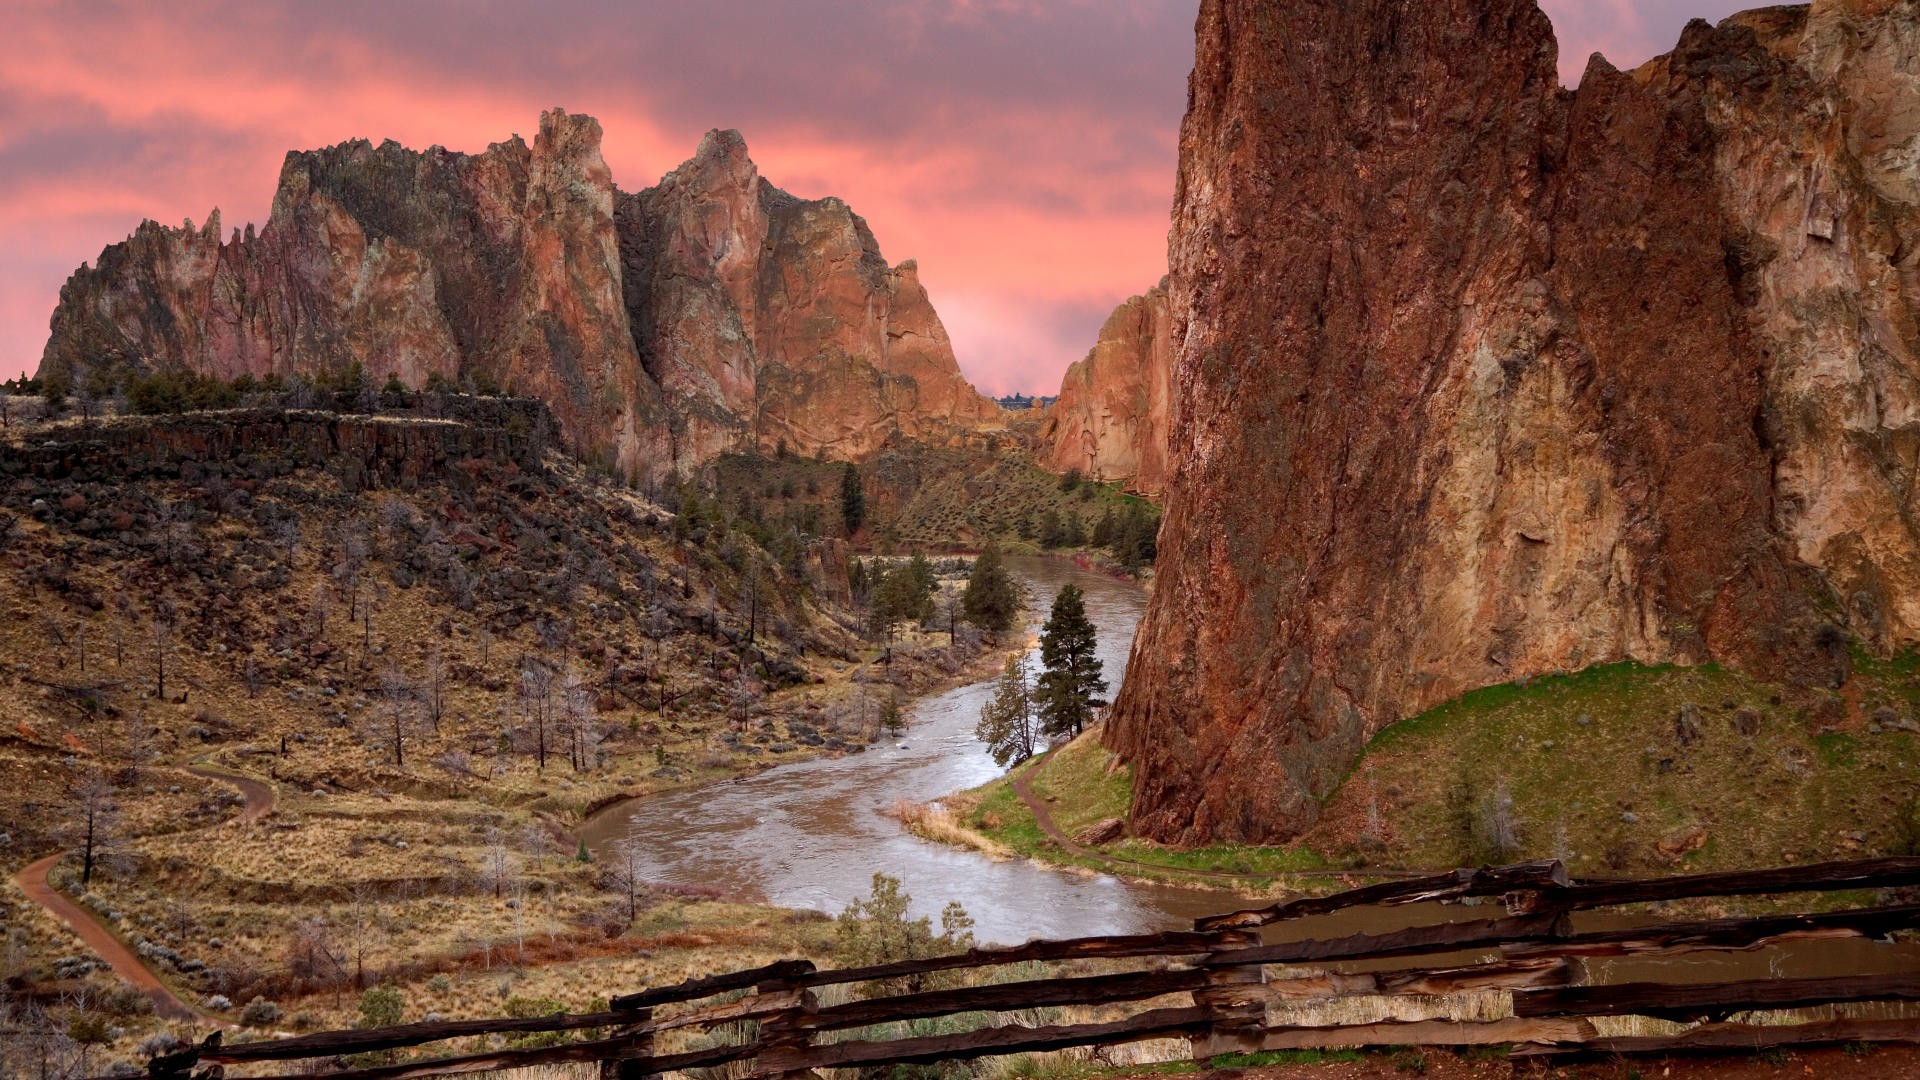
{"x":1528,"y":954}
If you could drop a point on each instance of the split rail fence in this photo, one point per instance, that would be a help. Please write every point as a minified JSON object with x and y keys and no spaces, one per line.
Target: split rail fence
{"x":1527,"y":949}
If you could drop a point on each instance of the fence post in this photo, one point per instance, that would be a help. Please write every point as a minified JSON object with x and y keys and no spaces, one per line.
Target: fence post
{"x":1236,"y":1029}
{"x":616,"y":1068}
{"x":783,"y":1042}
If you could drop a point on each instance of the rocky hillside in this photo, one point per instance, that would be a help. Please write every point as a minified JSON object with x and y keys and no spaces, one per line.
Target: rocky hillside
{"x":1478,"y":377}
{"x":1116,"y":406}
{"x":711,"y":312}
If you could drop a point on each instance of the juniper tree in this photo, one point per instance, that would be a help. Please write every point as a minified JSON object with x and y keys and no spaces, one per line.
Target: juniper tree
{"x":1007,"y":722}
{"x":1070,"y":686}
{"x":991,"y":599}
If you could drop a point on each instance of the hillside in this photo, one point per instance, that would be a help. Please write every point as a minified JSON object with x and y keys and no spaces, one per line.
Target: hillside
{"x":435,"y":646}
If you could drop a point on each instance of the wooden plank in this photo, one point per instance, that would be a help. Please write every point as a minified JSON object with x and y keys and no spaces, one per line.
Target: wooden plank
{"x":1721,"y":1038}
{"x":986,"y":1042}
{"x":1424,"y":982}
{"x":596,"y":1050}
{"x":1815,"y":877}
{"x":1002,"y":997}
{"x":1171,"y":943}
{"x":1538,"y":888}
{"x":781,"y":971}
{"x":1427,"y":1033}
{"x":1456,"y":885}
{"x":1444,"y":937}
{"x":1692,"y":1001}
{"x":1741,"y":933}
{"x":331,"y":1043}
{"x":1550,"y":933}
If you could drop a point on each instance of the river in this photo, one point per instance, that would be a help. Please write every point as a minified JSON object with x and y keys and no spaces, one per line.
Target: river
{"x":812,"y":834}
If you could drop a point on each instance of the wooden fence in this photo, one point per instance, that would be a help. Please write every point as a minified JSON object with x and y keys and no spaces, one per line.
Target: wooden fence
{"x":1526,"y":949}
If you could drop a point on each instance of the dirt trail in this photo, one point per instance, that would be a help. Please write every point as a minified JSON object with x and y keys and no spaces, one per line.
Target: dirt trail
{"x":32,"y":881}
{"x":1044,"y":818}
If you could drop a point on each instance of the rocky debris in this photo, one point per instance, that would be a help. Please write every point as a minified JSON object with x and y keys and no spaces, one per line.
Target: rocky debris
{"x":1116,"y":405}
{"x":1677,"y":845}
{"x":1476,"y":377}
{"x":1687,"y":728}
{"x":712,"y":312}
{"x":1104,"y":831}
{"x":1746,"y":722}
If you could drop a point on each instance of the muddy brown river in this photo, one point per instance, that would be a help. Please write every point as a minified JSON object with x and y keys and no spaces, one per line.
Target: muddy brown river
{"x":812,"y":834}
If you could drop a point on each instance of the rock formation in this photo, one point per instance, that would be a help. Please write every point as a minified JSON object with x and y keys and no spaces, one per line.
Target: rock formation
{"x":1477,"y":377}
{"x":768,"y":319}
{"x":712,"y":312}
{"x":1115,"y":407}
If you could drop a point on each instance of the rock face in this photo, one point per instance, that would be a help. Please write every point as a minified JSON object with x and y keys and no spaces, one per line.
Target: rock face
{"x":711,"y":312}
{"x":769,"y":319}
{"x":1476,"y":377}
{"x":1115,"y":408}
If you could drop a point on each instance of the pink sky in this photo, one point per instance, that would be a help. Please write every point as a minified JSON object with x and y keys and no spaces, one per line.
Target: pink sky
{"x":1021,"y":150}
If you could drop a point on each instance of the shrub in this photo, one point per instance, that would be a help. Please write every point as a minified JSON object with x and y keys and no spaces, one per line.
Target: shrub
{"x":381,"y":1006}
{"x":259,"y":1013}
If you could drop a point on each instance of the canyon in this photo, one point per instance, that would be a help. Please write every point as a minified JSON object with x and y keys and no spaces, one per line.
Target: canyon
{"x":711,"y":312}
{"x":1475,"y":377}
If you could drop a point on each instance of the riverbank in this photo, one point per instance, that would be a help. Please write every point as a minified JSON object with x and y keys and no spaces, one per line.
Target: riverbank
{"x":1067,"y":807}
{"x":1704,"y":769}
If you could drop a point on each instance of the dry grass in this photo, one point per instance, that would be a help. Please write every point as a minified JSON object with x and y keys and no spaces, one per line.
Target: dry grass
{"x":941,"y":824}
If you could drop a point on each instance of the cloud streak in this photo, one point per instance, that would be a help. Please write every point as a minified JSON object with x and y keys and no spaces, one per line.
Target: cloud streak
{"x":1022,"y":150}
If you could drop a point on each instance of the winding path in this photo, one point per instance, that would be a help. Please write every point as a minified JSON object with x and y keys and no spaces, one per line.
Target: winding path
{"x":1043,"y":817}
{"x":32,"y":880}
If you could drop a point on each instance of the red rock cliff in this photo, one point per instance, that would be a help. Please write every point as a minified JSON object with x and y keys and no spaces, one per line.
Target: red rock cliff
{"x":1476,"y":377}
{"x":1115,"y":408}
{"x":711,"y":312}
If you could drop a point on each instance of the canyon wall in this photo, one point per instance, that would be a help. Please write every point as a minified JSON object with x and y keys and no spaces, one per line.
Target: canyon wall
{"x":1476,"y":377}
{"x":1115,"y":407}
{"x":712,"y":312}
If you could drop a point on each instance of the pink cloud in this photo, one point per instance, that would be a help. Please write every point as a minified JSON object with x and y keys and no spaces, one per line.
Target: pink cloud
{"x":1022,"y":150}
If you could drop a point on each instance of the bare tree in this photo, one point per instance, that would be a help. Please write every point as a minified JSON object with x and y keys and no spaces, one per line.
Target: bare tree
{"x":536,"y":689}
{"x":623,"y":873}
{"x":398,"y":700}
{"x":576,"y":711}
{"x":350,"y":564}
{"x":499,"y":867}
{"x":433,"y":686}
{"x":161,"y":635}
{"x":94,"y":823}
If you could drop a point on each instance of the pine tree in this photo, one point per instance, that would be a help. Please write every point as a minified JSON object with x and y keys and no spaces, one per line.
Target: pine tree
{"x":1007,"y":723}
{"x":991,"y":600}
{"x":1070,"y":687}
{"x":853,"y":500}
{"x":1052,"y":532}
{"x":890,"y":716}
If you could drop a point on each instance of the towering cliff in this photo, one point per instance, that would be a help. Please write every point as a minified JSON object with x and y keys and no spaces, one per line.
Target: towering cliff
{"x":710,"y":312}
{"x":1477,"y":377}
{"x":1115,"y":408}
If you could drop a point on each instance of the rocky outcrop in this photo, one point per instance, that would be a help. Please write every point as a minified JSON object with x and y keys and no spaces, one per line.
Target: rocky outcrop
{"x":711,"y":312}
{"x":1476,"y":377}
{"x":768,"y":319}
{"x":1115,"y":408}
